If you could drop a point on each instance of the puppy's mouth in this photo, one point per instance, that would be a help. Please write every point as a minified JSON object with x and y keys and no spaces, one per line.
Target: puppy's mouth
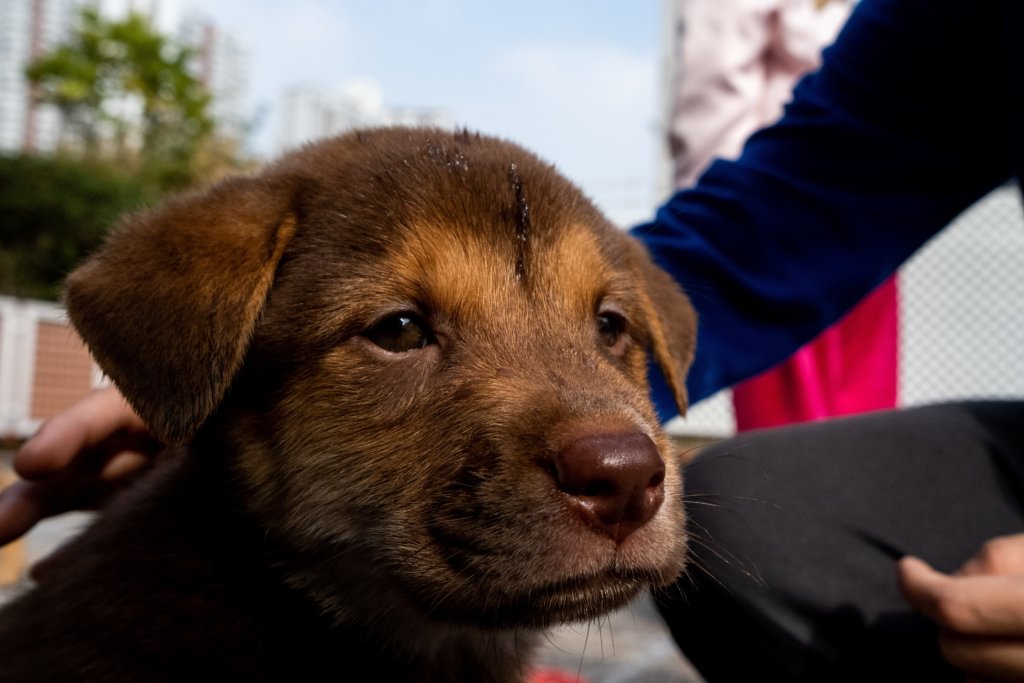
{"x":577,"y":599}
{"x":496,"y":586}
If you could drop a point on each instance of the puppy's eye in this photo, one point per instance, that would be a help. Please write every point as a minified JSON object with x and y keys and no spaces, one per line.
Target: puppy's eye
{"x":611,"y":328}
{"x":400,"y":333}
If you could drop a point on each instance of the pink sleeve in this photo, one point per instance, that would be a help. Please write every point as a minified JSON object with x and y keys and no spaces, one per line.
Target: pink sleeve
{"x":738,"y":61}
{"x":802,"y":28}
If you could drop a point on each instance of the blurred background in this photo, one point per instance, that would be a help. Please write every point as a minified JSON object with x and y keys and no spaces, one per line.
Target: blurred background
{"x":576,"y":81}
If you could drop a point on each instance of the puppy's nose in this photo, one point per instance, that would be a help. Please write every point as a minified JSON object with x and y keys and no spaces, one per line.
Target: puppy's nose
{"x":614,"y":481}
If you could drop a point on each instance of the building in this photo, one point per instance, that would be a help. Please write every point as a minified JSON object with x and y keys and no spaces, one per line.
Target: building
{"x":220,"y":61}
{"x":221,"y":64}
{"x":28,"y":29}
{"x":311,"y":112}
{"x":44,"y":366}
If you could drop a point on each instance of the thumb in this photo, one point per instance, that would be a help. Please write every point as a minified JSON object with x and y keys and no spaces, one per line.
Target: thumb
{"x":984,"y":605}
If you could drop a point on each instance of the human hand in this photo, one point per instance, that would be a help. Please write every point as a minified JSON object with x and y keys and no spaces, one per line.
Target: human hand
{"x":979,"y":609}
{"x":75,"y":460}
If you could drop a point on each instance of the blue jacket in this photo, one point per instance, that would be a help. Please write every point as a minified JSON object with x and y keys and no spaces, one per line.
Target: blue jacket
{"x":916,"y":112}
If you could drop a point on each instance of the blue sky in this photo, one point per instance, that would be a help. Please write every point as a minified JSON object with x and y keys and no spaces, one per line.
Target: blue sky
{"x":575,"y":80}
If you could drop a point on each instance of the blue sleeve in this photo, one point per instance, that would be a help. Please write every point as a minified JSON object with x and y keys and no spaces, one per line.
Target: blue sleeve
{"x":904,"y":126}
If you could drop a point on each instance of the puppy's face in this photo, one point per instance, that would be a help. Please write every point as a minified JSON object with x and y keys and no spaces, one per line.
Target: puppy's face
{"x":441,"y":378}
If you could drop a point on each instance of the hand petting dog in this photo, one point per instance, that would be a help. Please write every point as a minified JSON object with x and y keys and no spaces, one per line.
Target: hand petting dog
{"x":75,"y":461}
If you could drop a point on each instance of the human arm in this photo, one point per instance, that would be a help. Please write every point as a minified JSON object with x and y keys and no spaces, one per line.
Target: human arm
{"x":906,"y":124}
{"x":74,"y":460}
{"x":979,"y":609}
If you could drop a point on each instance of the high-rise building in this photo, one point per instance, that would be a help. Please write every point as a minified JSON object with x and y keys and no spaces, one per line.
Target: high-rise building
{"x":28,"y":29}
{"x":220,"y":61}
{"x":221,"y":65}
{"x":311,"y":112}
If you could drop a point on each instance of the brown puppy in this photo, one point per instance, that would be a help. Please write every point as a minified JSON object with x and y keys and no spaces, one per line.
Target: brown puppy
{"x":409,"y":370}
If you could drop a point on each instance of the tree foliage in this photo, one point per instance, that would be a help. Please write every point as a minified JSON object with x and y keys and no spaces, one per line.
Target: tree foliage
{"x":136,"y":126}
{"x":52,"y":213}
{"x":126,"y":92}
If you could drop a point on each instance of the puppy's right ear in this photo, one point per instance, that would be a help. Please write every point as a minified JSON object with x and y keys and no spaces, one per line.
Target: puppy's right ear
{"x":169,"y":303}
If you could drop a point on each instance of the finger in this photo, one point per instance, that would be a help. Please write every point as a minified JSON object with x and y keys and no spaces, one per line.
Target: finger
{"x":26,"y":503}
{"x":20,"y":509}
{"x":87,"y":423}
{"x":985,"y":659}
{"x":123,"y":464}
{"x":1001,"y":555}
{"x":969,"y":605}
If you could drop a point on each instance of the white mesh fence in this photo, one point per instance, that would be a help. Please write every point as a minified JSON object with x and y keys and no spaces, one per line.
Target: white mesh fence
{"x":961,"y":316}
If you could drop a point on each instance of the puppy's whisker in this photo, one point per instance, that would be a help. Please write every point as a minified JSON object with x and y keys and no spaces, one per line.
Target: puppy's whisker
{"x":583,"y":654}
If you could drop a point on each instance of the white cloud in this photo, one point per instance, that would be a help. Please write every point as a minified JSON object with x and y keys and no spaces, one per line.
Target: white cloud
{"x":586,"y":102}
{"x":595,"y":75}
{"x":592,"y":110}
{"x":294,"y":42}
{"x":298,"y":42}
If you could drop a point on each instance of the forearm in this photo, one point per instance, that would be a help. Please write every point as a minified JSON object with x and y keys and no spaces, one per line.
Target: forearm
{"x":872,"y":158}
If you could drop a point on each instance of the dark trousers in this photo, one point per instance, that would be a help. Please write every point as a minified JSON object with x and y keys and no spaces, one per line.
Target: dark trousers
{"x":795,"y":533}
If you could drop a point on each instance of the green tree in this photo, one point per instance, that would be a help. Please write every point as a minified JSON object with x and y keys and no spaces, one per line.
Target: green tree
{"x":53,"y":211}
{"x":126,"y":93}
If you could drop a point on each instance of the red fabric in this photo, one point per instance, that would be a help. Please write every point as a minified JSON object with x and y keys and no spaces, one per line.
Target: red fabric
{"x":852,"y":367}
{"x":553,"y":676}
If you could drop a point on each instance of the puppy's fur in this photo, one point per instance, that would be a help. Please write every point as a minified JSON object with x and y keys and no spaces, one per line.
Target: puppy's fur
{"x":407,"y":373}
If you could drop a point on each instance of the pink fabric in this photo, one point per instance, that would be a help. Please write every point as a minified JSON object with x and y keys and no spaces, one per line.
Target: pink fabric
{"x":850,"y":368}
{"x":738,"y":62}
{"x":553,"y":676}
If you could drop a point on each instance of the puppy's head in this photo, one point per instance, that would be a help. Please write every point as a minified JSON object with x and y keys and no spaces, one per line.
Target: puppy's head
{"x":428,"y":353}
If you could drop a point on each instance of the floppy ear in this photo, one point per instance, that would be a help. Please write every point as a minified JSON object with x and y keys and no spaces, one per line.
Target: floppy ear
{"x":169,"y":303}
{"x":671,"y":321}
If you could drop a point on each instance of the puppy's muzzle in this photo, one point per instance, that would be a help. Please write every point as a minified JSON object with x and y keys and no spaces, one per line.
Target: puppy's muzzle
{"x":613,"y":481}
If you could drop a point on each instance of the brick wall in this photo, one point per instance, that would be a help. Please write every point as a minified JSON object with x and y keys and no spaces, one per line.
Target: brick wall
{"x":62,"y":372}
{"x":44,"y":366}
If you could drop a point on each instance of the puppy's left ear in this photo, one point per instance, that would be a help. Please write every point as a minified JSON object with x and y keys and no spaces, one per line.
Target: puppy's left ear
{"x":671,"y":321}
{"x":169,"y":303}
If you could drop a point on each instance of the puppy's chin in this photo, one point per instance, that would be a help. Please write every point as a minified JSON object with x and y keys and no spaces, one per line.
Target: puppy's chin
{"x":577,"y":575}
{"x":579,"y":599}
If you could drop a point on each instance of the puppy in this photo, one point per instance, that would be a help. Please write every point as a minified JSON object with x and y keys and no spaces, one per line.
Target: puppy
{"x":405,"y":371}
